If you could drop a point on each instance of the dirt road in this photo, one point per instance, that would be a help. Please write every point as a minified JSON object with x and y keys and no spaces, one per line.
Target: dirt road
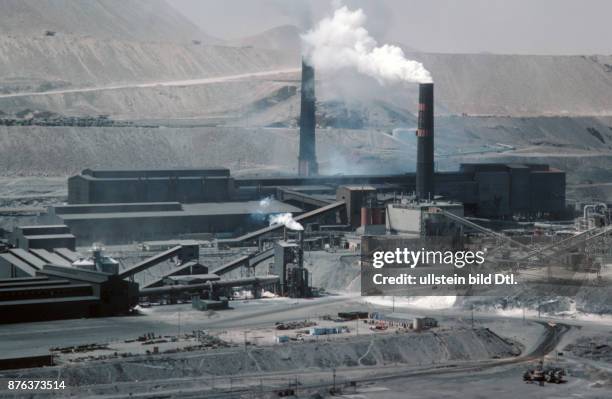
{"x":170,"y":83}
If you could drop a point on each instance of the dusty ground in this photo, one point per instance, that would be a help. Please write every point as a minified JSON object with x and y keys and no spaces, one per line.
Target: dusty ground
{"x":364,"y":358}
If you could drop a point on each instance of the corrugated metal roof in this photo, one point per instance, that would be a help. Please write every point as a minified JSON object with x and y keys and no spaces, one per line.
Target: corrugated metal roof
{"x":44,"y":227}
{"x":48,"y":236}
{"x":28,"y":257}
{"x":41,"y":301}
{"x":67,"y":254}
{"x":18,"y":263}
{"x":49,"y":257}
{"x":75,"y":274}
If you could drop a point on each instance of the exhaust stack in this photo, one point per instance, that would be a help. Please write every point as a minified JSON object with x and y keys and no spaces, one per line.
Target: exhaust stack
{"x":307,"y":159}
{"x":425,"y":143}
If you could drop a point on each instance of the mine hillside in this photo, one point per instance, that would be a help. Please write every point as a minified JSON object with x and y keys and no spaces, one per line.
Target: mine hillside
{"x":100,"y":78}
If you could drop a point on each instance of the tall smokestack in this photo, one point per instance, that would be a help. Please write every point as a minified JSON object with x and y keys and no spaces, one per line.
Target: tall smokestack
{"x":307,"y":160}
{"x":425,"y":144}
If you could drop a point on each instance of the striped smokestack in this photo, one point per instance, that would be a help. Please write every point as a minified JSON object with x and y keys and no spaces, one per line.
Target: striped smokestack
{"x":307,"y":159}
{"x":425,"y":144}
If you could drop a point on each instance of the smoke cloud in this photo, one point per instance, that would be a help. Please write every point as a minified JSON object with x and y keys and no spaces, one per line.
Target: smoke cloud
{"x":287,"y":220}
{"x":342,"y":42}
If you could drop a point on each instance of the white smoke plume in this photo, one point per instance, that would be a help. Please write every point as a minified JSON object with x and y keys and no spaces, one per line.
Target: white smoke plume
{"x":341,"y":41}
{"x":287,"y":220}
{"x":265,"y":202}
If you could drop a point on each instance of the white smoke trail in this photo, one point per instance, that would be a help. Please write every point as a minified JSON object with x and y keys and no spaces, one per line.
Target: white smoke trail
{"x":287,"y":220}
{"x":341,"y":41}
{"x":265,"y":202}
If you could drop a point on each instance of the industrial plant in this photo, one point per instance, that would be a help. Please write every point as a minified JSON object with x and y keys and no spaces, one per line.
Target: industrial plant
{"x":209,"y":281}
{"x":125,"y":206}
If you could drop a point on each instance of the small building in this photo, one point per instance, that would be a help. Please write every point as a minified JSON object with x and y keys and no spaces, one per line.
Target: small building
{"x":424,"y":323}
{"x":355,"y":315}
{"x":355,"y":197}
{"x":328,"y":330}
{"x":281,"y":339}
{"x":209,"y":304}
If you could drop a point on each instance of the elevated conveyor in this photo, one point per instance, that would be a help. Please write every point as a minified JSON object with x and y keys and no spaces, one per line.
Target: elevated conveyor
{"x":249,"y":237}
{"x":183,"y":252}
{"x":481,"y":229}
{"x":248,"y":260}
{"x":562,"y":246}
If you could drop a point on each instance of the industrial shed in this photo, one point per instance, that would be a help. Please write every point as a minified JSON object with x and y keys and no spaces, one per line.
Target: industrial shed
{"x":58,"y":292}
{"x":158,"y":185}
{"x":120,"y":223}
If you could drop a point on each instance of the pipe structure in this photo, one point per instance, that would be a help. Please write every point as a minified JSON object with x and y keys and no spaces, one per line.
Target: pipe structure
{"x":425,"y":143}
{"x":210,"y":285}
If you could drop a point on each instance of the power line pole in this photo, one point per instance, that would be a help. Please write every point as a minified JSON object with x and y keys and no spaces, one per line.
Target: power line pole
{"x":334,"y":379}
{"x":472,"y":317}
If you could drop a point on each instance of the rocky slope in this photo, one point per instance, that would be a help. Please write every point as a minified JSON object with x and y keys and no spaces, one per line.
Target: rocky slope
{"x":138,"y":20}
{"x":412,"y":349}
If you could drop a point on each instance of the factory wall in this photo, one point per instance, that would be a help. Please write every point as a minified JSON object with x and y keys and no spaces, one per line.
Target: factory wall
{"x":44,"y":236}
{"x":512,"y":189}
{"x":403,"y":220}
{"x":493,"y":190}
{"x":50,"y":242}
{"x":114,"y":230}
{"x":493,"y":193}
{"x":520,"y":189}
{"x":416,"y":219}
{"x":150,"y":173}
{"x":83,"y":190}
{"x":547,"y":190}
{"x":487,"y":190}
{"x":116,"y":208}
{"x":94,"y":187}
{"x":458,"y":186}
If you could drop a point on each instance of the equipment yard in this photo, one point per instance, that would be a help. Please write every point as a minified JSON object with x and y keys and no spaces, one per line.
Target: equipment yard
{"x":234,"y":351}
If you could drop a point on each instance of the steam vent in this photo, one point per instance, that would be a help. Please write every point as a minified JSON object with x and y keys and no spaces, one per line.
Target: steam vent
{"x":307,"y":159}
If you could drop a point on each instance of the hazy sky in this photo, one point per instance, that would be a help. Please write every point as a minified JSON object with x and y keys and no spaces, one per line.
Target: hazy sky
{"x":450,"y":26}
